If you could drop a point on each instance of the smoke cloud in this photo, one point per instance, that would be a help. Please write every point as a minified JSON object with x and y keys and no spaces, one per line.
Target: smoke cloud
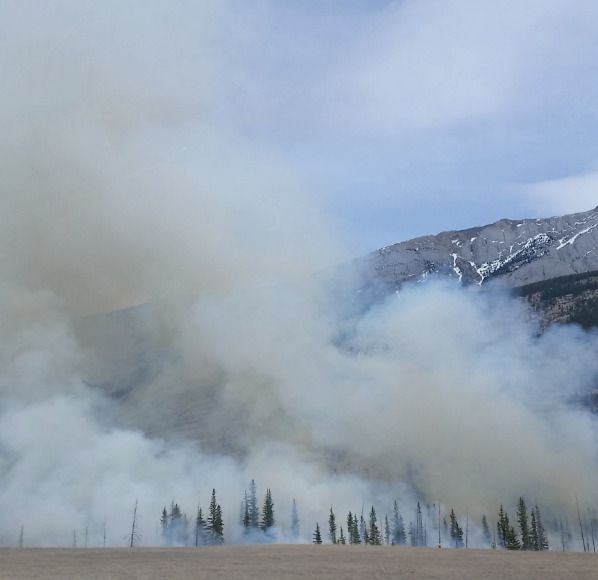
{"x":170,"y":321}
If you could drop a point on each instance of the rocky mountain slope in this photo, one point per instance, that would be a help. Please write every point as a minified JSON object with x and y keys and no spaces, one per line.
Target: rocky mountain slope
{"x":512,"y":253}
{"x":565,"y":299}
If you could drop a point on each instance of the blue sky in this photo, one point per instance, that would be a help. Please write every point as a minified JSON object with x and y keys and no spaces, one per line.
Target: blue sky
{"x":399,"y":118}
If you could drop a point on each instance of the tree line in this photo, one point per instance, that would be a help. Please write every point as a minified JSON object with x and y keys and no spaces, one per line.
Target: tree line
{"x":428,"y":527}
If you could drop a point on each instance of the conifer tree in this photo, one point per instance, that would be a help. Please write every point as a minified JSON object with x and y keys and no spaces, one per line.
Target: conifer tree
{"x":523,"y":524}
{"x":502,"y":527}
{"x":295,"y":521}
{"x":386,"y":530}
{"x":246,"y":517}
{"x":253,"y":507}
{"x":363,"y":530}
{"x":267,"y":513}
{"x":353,"y":529}
{"x":512,"y":541}
{"x":332,"y":526}
{"x":486,"y":531}
{"x":200,"y":528}
{"x":533,"y":532}
{"x":215,"y":526}
{"x":219,"y":526}
{"x":317,"y":538}
{"x":542,"y":538}
{"x":456,"y":532}
{"x":399,"y":538}
{"x":341,"y":539}
{"x":350,"y":527}
{"x":375,"y":538}
{"x":164,"y":523}
{"x":175,"y":531}
{"x":242,"y":511}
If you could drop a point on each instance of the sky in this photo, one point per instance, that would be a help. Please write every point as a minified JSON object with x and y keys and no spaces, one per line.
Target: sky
{"x":396,"y":118}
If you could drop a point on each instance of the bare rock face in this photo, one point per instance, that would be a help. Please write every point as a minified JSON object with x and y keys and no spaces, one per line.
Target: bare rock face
{"x":512,"y":253}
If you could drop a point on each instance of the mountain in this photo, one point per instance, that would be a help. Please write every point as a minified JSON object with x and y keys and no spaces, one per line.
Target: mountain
{"x":512,"y":253}
{"x":552,"y":263}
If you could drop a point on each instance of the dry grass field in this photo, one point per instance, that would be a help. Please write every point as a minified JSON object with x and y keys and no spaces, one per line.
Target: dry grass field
{"x":289,"y":562}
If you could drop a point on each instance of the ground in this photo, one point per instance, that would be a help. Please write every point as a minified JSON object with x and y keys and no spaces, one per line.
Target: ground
{"x":289,"y":562}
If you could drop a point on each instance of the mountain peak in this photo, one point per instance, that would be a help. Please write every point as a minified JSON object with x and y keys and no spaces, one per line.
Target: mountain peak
{"x":511,"y":252}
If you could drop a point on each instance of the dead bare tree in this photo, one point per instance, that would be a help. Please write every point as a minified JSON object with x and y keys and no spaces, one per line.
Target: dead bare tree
{"x":134,"y":537}
{"x":583,"y":541}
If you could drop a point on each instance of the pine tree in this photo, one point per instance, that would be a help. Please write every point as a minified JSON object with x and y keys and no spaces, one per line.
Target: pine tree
{"x":200,"y":528}
{"x":332,"y":527}
{"x":375,"y":538}
{"x":486,"y":531}
{"x":215,"y":526}
{"x":317,"y":538}
{"x":219,"y":526}
{"x":353,"y":529}
{"x":386,"y":530}
{"x":399,"y":538}
{"x":456,"y":531}
{"x":502,"y":527}
{"x":512,"y":541}
{"x":267,"y":513}
{"x":341,"y":539}
{"x":175,"y":531}
{"x":295,"y":521}
{"x":252,"y":506}
{"x":164,"y":524}
{"x":542,"y":538}
{"x":523,"y":524}
{"x":363,"y":530}
{"x":350,"y":527}
{"x":246,"y":517}
{"x":533,"y":532}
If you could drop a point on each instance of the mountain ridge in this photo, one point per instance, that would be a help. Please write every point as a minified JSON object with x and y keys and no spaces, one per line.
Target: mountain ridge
{"x":510,"y":252}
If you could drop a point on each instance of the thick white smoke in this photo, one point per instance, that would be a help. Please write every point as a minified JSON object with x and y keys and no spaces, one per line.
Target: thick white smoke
{"x":122,"y":186}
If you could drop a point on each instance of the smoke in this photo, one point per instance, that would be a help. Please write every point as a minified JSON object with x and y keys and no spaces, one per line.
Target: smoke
{"x":124,"y":187}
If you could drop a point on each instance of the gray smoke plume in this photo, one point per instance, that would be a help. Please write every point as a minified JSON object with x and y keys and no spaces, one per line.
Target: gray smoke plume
{"x":124,"y":188}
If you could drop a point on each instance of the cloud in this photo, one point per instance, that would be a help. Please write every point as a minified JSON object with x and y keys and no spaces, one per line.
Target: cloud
{"x":434,"y":65}
{"x":571,"y":194}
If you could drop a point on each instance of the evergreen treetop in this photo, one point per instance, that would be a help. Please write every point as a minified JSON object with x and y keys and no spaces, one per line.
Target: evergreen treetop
{"x":317,"y":537}
{"x":268,"y":512}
